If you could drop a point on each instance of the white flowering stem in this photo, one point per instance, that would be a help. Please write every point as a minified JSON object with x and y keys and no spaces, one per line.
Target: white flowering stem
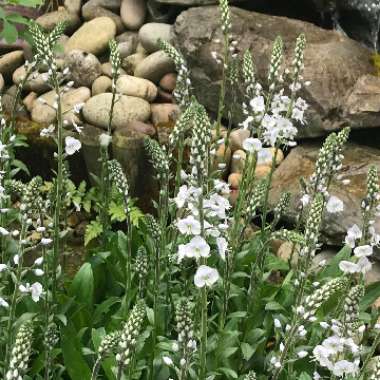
{"x":13,"y":303}
{"x":96,"y":368}
{"x":180,"y":152}
{"x":58,"y":189}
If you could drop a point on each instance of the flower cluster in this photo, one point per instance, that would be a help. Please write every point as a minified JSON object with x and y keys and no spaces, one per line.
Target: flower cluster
{"x":129,"y":335}
{"x":21,"y":352}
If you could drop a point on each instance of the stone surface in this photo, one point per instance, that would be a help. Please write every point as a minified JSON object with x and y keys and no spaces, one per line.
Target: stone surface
{"x":333,"y":62}
{"x":37,"y":82}
{"x":107,"y":70}
{"x":126,"y":49}
{"x":139,"y":87}
{"x":362,"y":107}
{"x":44,"y":113}
{"x":101,"y":85}
{"x":101,"y":30}
{"x":300,"y":163}
{"x":128,"y":148}
{"x":164,"y":113}
{"x":133,"y":13}
{"x":127,"y":108}
{"x":73,"y":6}
{"x":163,"y":96}
{"x":168,"y":82}
{"x":150,"y":33}
{"x":84,"y":67}
{"x":113,"y":5}
{"x":90,"y":11}
{"x":130,"y":63}
{"x":29,"y":100}
{"x":191,"y":2}
{"x":10,"y":62}
{"x":154,"y":66}
{"x":49,"y":20}
{"x":1,"y":82}
{"x":139,"y":126}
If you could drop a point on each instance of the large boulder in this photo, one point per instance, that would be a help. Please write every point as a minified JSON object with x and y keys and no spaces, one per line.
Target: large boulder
{"x":192,"y":2}
{"x":333,"y":63}
{"x":300,"y":163}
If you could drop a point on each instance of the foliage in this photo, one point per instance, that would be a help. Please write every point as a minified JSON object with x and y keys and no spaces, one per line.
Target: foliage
{"x":10,"y":21}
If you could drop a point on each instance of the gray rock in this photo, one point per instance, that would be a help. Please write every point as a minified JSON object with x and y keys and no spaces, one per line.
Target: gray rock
{"x":127,"y":108}
{"x":50,"y":20}
{"x":300,"y":163}
{"x":73,"y":6}
{"x":37,"y":82}
{"x":155,"y":66}
{"x":90,"y":11}
{"x":29,"y":100}
{"x":43,"y":111}
{"x":138,"y":87}
{"x":91,"y":149}
{"x":150,"y":33}
{"x":10,"y":62}
{"x":101,"y":85}
{"x":332,"y":62}
{"x":133,"y":13}
{"x":126,"y":49}
{"x":84,"y":68}
{"x":93,"y":36}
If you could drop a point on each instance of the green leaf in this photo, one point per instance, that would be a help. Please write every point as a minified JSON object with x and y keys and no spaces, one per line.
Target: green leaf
{"x":304,"y":376}
{"x":274,"y":306}
{"x":372,"y":293}
{"x":247,"y":351}
{"x":74,"y":362}
{"x":93,"y":230}
{"x":82,"y":287}
{"x":117,"y":212}
{"x":9,"y":32}
{"x":332,"y":269}
{"x":228,"y":372}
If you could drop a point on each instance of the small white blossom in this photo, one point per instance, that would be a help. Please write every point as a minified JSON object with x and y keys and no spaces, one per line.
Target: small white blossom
{"x":205,"y":276}
{"x":334,"y":205}
{"x":72,"y":145}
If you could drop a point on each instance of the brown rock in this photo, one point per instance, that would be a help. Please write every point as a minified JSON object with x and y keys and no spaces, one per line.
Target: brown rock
{"x":130,"y":63}
{"x":107,"y":69}
{"x":29,"y":100}
{"x":262,"y":171}
{"x":133,"y":13}
{"x":140,"y":127}
{"x":237,"y":136}
{"x":10,"y":62}
{"x":222,"y":159}
{"x":168,"y":82}
{"x":234,"y":180}
{"x":163,"y":96}
{"x":164,"y":113}
{"x":51,"y":19}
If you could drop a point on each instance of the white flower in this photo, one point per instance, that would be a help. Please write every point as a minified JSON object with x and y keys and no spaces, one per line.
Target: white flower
{"x":39,"y":261}
{"x":77,"y":108}
{"x":182,"y":196}
{"x":302,"y":354}
{"x":348,"y":267}
{"x":198,"y":247}
{"x":277,"y":323}
{"x":222,"y":245}
{"x":46,"y":241}
{"x":105,"y":140}
{"x":334,"y":205}
{"x":257,"y":104}
{"x":252,"y":145}
{"x":72,"y":145}
{"x":3,"y":231}
{"x":353,"y":233}
{"x":364,"y":265}
{"x":305,"y":200}
{"x":38,"y":272}
{"x":3,"y":303}
{"x":16,"y":259}
{"x":344,"y":367}
{"x":205,"y":276}
{"x":189,"y":226}
{"x":168,"y":361}
{"x":363,"y":251}
{"x":3,"y":267}
{"x":77,"y":127}
{"x":36,"y":291}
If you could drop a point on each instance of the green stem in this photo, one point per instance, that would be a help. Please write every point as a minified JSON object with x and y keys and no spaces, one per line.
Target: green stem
{"x":96,"y":368}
